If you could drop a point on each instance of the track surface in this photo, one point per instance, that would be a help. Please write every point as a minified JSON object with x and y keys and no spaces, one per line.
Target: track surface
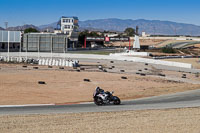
{"x":178,"y":100}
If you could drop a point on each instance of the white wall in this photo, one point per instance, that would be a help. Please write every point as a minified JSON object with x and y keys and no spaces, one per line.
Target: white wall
{"x":107,"y":57}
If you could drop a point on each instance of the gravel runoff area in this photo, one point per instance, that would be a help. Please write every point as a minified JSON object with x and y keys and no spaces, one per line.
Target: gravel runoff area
{"x":185,"y":120}
{"x":19,"y":83}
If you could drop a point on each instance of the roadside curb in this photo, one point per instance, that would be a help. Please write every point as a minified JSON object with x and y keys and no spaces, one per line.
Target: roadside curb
{"x":25,"y":105}
{"x":35,"y":105}
{"x":73,"y":103}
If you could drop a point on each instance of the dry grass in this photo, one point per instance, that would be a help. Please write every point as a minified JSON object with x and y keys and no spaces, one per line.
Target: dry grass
{"x":20,"y":85}
{"x":167,"y":42}
{"x":145,"y":42}
{"x":186,"y":120}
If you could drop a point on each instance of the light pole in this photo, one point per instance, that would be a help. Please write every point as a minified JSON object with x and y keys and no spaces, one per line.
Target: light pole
{"x":38,"y":47}
{"x":8,"y":46}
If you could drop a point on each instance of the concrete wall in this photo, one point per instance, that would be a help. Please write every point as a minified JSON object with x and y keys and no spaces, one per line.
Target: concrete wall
{"x":131,"y":53}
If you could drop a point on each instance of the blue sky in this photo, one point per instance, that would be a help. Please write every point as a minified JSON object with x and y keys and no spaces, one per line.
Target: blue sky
{"x":38,"y":12}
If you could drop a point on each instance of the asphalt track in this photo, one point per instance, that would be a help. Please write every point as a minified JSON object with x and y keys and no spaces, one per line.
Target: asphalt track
{"x":178,"y":100}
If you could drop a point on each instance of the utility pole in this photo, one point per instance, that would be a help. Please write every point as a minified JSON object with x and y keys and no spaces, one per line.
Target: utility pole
{"x":8,"y":46}
{"x":137,"y":30}
{"x":8,"y":54}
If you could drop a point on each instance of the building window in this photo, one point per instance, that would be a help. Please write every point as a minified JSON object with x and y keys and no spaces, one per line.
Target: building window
{"x":67,"y":26}
{"x":66,"y":20}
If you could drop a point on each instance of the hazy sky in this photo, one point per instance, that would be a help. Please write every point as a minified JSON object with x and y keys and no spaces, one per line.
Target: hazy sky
{"x":38,"y":12}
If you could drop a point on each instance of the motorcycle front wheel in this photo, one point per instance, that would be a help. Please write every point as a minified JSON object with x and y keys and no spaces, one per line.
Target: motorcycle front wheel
{"x":116,"y":100}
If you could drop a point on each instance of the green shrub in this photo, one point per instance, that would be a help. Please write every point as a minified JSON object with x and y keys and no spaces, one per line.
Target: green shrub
{"x":168,"y":50}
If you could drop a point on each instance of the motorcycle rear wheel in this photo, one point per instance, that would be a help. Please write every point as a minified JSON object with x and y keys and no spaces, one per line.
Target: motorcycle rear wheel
{"x":98,"y":101}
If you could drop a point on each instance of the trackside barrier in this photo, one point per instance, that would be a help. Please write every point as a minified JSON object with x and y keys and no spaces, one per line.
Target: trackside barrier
{"x":43,"y":61}
{"x":129,"y":52}
{"x":152,"y":61}
{"x":104,"y":57}
{"x":59,"y":62}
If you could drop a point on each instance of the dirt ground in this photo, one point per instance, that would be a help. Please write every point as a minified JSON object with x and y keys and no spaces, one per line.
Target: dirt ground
{"x":185,"y":120}
{"x":19,"y":85}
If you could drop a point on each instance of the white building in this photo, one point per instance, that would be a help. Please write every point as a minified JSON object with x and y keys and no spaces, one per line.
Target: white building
{"x":10,"y":41}
{"x":145,"y":35}
{"x":111,"y":34}
{"x":67,"y":25}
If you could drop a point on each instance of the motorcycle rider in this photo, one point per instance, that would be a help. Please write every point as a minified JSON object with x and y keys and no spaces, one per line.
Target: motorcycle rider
{"x":98,"y":91}
{"x":101,"y":91}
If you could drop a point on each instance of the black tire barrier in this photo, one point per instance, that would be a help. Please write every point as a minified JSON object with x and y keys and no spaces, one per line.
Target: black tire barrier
{"x":113,"y":66}
{"x":184,"y":77}
{"x":24,"y":66}
{"x":123,"y":77}
{"x":146,"y":69}
{"x":105,"y":70}
{"x":110,"y":68}
{"x":111,"y":61}
{"x":142,"y":74}
{"x":137,"y":73}
{"x":196,"y":75}
{"x":122,"y":70}
{"x":50,"y":67}
{"x":35,"y":67}
{"x":146,"y":64}
{"x":61,"y":67}
{"x":163,"y":75}
{"x":140,"y":70}
{"x":86,"y":80}
{"x":82,"y":69}
{"x":78,"y":70}
{"x":41,"y":82}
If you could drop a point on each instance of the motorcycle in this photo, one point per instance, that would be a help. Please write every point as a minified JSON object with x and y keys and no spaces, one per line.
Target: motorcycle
{"x":101,"y":98}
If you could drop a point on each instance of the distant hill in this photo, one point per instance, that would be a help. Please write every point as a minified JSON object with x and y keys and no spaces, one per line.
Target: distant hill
{"x":149,"y":26}
{"x":52,"y":25}
{"x":1,"y":28}
{"x":19,"y":28}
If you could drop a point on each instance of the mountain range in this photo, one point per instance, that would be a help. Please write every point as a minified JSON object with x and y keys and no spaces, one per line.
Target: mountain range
{"x":149,"y":26}
{"x":20,"y":28}
{"x":1,"y":28}
{"x":113,"y":24}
